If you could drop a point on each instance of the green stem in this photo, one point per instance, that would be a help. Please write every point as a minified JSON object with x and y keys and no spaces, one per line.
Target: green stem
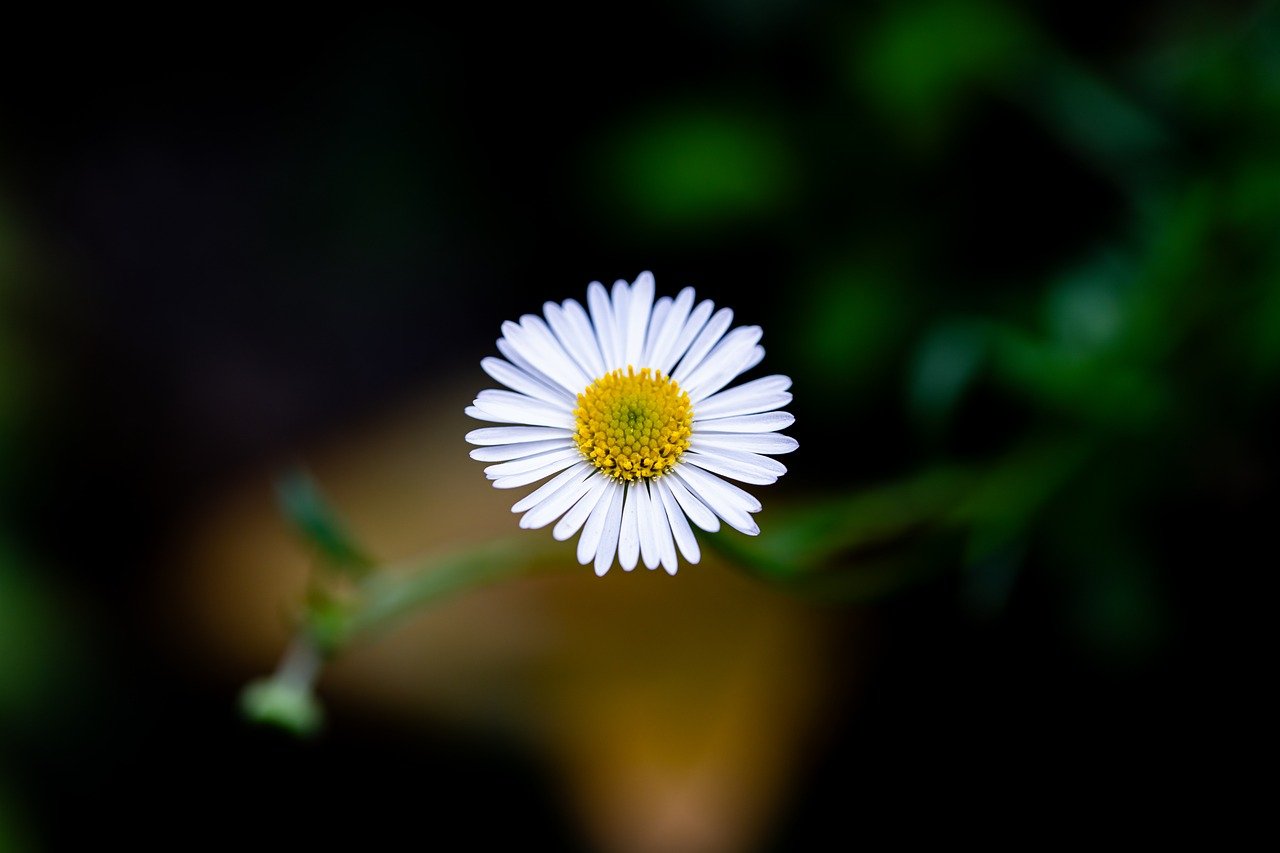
{"x":287,"y":698}
{"x":390,"y":593}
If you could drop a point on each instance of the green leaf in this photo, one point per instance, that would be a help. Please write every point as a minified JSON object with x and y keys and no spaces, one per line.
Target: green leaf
{"x":301,"y":502}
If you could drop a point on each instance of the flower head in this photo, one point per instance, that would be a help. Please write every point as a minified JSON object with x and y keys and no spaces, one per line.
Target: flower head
{"x":625,"y":403}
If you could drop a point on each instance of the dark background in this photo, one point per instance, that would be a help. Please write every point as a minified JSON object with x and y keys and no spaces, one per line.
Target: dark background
{"x":967,"y":228}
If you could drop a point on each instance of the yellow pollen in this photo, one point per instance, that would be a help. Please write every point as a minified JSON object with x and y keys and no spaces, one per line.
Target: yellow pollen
{"x":633,"y":425}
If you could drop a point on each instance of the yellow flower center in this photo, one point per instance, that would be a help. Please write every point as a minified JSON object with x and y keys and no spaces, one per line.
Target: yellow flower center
{"x":633,"y":425}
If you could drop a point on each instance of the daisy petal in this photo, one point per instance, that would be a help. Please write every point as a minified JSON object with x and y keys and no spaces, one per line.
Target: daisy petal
{"x":503,"y":452}
{"x":581,"y":324}
{"x":529,"y":463}
{"x":657,"y":323}
{"x":662,"y":336}
{"x":640,"y":304}
{"x":729,"y":371}
{"x":760,"y":442}
{"x":740,"y":498}
{"x":644,"y":524}
{"x":661,"y":532}
{"x":726,"y":358}
{"x":516,"y":480}
{"x":542,"y":357}
{"x":567,"y":336}
{"x":488,"y":436}
{"x":621,"y":297}
{"x":546,"y":342}
{"x":695,"y":509}
{"x":517,"y":380}
{"x":574,"y":518}
{"x":510,"y":354}
{"x":703,"y":343}
{"x":504,"y":415}
{"x":680,"y":529}
{"x":629,"y":533}
{"x":510,"y":407}
{"x":767,"y":422}
{"x":549,"y":488}
{"x":606,"y":329}
{"x":589,"y":541}
{"x":746,"y":457}
{"x":609,"y":538}
{"x":760,"y":395}
{"x":735,"y":469}
{"x":720,"y":501}
{"x":556,"y":505}
{"x":697,"y":320}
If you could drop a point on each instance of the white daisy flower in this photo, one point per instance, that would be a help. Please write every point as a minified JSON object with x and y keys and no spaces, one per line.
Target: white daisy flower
{"x":621,"y":404}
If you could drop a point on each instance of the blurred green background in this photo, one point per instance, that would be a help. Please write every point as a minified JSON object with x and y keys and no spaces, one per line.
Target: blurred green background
{"x":1022,"y":262}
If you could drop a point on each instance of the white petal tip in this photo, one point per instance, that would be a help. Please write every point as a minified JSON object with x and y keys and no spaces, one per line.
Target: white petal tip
{"x":601,"y":571}
{"x":671,"y":570}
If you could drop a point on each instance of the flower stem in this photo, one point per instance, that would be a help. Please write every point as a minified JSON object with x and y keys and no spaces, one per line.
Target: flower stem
{"x":332,"y":624}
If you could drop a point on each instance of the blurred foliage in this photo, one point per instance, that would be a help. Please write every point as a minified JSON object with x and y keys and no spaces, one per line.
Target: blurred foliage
{"x":927,"y":61}
{"x":1095,"y":387}
{"x":690,"y":168}
{"x":34,"y":661}
{"x":855,"y":323}
{"x":14,"y":832}
{"x":38,"y":662}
